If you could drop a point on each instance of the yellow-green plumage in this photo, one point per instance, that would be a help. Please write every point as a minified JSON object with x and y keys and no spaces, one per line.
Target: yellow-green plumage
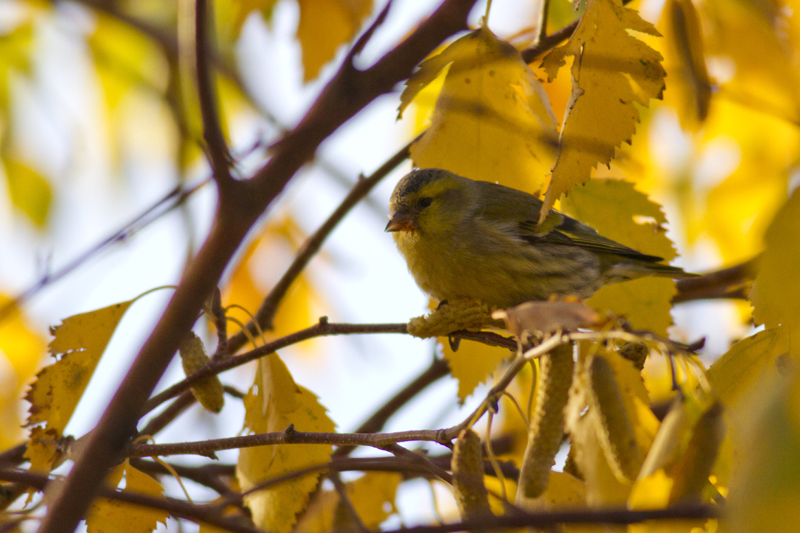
{"x":473,"y":239}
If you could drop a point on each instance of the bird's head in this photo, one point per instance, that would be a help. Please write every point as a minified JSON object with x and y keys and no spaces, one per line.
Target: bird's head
{"x":429,"y":200}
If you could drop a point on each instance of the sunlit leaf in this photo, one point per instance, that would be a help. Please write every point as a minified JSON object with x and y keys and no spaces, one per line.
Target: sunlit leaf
{"x":257,"y":272}
{"x":126,"y":59}
{"x":776,"y":298}
{"x":16,"y":47}
{"x":472,"y":364}
{"x":492,"y":120}
{"x":742,"y":375}
{"x":80,"y":340}
{"x":230,"y":16}
{"x":372,"y":496}
{"x":21,"y":350}
{"x":115,"y":516}
{"x":586,"y":426}
{"x":324,"y":26}
{"x":618,"y":211}
{"x":766,"y":496}
{"x":30,"y":191}
{"x":753,"y":359}
{"x":612,"y":70}
{"x":689,"y":82}
{"x":272,"y":404}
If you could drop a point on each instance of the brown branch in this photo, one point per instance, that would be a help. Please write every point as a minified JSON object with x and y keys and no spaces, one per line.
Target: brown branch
{"x":206,"y":90}
{"x":175,"y":409}
{"x":13,"y":456}
{"x":287,"y":436}
{"x":320,"y":329}
{"x":266,"y":313}
{"x":348,"y":92}
{"x":177,"y":508}
{"x":732,"y":282}
{"x":323,"y":328}
{"x":207,"y":475}
{"x":346,"y":503}
{"x":420,"y":460}
{"x":546,"y":519}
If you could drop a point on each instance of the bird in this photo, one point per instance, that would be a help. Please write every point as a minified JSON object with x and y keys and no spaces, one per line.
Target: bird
{"x":463,"y":238}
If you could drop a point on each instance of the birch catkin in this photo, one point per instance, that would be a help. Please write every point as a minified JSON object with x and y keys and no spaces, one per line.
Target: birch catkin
{"x":547,"y":423}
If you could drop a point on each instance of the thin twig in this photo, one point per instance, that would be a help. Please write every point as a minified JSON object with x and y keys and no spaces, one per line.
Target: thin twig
{"x":176,"y":508}
{"x":544,"y":8}
{"x":420,"y":460}
{"x":287,"y":436}
{"x":212,"y":131}
{"x":180,"y":405}
{"x":207,"y":475}
{"x":172,"y":199}
{"x":269,"y":307}
{"x":221,"y":324}
{"x":345,"y":502}
{"x":320,"y":329}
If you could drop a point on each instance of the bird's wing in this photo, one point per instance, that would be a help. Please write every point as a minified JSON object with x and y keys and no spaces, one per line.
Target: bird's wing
{"x":501,"y":205}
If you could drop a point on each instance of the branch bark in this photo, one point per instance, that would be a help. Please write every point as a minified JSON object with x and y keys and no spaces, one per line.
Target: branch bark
{"x":348,"y":92}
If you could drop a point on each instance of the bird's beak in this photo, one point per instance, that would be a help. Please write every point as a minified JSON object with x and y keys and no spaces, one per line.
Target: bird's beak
{"x":401,"y":221}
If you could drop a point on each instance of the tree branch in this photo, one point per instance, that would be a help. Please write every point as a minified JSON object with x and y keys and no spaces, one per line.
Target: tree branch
{"x":287,"y":436}
{"x":348,"y":92}
{"x":546,"y":519}
{"x":266,"y":313}
{"x":732,"y":282}
{"x":322,"y":328}
{"x":176,"y":508}
{"x":212,"y":132}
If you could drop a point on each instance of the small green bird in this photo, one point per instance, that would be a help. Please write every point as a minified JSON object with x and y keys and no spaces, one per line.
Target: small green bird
{"x":474,"y":239}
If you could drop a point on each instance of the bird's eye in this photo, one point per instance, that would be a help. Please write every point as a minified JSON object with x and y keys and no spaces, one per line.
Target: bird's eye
{"x":425,"y":202}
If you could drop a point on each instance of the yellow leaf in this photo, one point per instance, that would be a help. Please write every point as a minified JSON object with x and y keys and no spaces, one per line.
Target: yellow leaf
{"x":652,"y":492}
{"x":741,"y":375}
{"x":686,"y":64}
{"x":618,"y":211}
{"x":58,"y":388}
{"x":776,"y":298}
{"x":114,"y":516}
{"x":749,"y":361}
{"x":272,"y":404}
{"x":372,"y":496}
{"x":612,"y":70}
{"x":472,"y":364}
{"x":492,"y":120}
{"x":763,"y":64}
{"x":602,"y":485}
{"x":324,"y":26}
{"x":251,"y":280}
{"x":29,"y":190}
{"x":21,"y":349}
{"x":766,"y":496}
{"x":15,"y":57}
{"x":125,"y":58}
{"x":563,"y":492}
{"x":230,"y":16}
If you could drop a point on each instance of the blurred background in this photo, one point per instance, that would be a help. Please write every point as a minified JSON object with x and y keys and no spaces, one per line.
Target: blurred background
{"x":97,"y":129}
